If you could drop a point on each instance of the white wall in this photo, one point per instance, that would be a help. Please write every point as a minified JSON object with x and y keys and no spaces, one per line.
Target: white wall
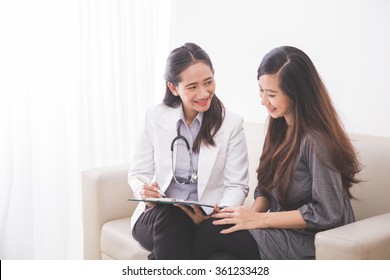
{"x":348,"y":41}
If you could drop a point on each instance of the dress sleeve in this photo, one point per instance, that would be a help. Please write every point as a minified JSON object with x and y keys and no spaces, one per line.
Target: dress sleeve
{"x":258,"y":193}
{"x":326,"y":208}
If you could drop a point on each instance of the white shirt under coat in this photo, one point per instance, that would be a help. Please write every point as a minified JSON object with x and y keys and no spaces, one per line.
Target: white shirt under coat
{"x":183,"y":169}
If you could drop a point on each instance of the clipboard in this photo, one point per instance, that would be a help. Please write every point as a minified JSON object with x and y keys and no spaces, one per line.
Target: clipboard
{"x":166,"y":200}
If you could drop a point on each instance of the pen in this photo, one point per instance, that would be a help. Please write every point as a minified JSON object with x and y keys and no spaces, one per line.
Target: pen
{"x":142,"y":179}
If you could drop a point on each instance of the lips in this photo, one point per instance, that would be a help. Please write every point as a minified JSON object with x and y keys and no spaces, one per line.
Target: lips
{"x":271,"y":109}
{"x":203,"y":102}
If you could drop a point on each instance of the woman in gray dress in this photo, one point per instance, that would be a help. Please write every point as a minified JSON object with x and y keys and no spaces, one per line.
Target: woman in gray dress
{"x":306,"y":170}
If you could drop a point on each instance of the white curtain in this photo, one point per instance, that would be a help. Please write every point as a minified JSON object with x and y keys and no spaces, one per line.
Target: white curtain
{"x":75,"y":79}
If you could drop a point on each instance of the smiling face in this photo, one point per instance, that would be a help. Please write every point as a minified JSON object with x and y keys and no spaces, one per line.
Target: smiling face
{"x":274,"y":99}
{"x":196,"y":89}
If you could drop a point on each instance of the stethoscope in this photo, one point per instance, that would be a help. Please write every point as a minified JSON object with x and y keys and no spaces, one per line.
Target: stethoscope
{"x":194,"y":174}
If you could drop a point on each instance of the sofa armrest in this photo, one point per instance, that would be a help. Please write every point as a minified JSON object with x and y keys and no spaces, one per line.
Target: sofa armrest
{"x":367,"y":239}
{"x":104,"y":198}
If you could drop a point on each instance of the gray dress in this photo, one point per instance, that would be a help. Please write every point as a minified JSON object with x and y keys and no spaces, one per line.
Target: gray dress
{"x":317,"y":192}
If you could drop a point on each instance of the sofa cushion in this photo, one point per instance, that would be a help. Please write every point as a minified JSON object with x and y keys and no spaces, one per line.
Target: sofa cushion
{"x":368,"y":239}
{"x":118,"y":242}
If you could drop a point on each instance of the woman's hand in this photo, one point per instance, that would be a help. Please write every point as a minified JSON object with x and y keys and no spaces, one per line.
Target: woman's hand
{"x":150,"y":191}
{"x":240,"y":216}
{"x":196,"y":214}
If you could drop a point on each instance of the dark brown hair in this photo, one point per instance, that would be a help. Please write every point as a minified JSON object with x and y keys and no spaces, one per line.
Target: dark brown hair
{"x":313,"y":112}
{"x":178,"y":61}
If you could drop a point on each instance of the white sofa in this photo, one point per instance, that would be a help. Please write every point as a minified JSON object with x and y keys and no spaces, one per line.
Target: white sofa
{"x":106,"y":211}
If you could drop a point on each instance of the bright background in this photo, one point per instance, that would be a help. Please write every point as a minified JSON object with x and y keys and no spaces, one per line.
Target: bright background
{"x":348,"y":41}
{"x":76,"y":77}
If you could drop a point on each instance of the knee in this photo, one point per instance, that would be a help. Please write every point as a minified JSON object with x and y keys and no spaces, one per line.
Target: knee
{"x":207,"y":228}
{"x":206,"y":233}
{"x":169,"y":214}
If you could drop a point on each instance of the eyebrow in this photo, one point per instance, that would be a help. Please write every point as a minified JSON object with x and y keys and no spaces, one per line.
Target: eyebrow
{"x":195,"y":83}
{"x":191,"y":84}
{"x":270,"y":90}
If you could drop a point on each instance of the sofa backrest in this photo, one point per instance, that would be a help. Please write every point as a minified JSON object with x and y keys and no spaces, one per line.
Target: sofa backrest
{"x":255,"y":135}
{"x":372,"y":194}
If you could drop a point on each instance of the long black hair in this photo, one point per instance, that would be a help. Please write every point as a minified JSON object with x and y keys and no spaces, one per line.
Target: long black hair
{"x":178,"y":61}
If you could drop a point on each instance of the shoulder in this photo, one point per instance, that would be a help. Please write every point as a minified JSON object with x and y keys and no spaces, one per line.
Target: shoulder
{"x":160,"y":111}
{"x":232,"y":118}
{"x":233,"y":124}
{"x":157,"y":110}
{"x":314,"y":148}
{"x":314,"y":141}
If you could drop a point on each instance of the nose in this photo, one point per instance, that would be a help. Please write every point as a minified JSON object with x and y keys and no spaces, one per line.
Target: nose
{"x":204,"y":92}
{"x":263,"y":98}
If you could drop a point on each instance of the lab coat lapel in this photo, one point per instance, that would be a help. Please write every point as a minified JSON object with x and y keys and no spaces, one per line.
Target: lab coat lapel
{"x":207,"y":158}
{"x":167,"y":132}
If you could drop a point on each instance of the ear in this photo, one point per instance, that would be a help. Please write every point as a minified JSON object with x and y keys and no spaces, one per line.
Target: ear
{"x":172,"y":88}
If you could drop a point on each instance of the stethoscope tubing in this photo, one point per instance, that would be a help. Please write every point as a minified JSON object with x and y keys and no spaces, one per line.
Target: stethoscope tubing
{"x":193,"y":173}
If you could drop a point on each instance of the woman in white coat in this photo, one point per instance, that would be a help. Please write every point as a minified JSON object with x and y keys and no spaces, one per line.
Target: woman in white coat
{"x":190,"y":148}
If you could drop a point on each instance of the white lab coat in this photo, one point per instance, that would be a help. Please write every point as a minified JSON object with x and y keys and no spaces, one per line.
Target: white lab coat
{"x":222,"y":170}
